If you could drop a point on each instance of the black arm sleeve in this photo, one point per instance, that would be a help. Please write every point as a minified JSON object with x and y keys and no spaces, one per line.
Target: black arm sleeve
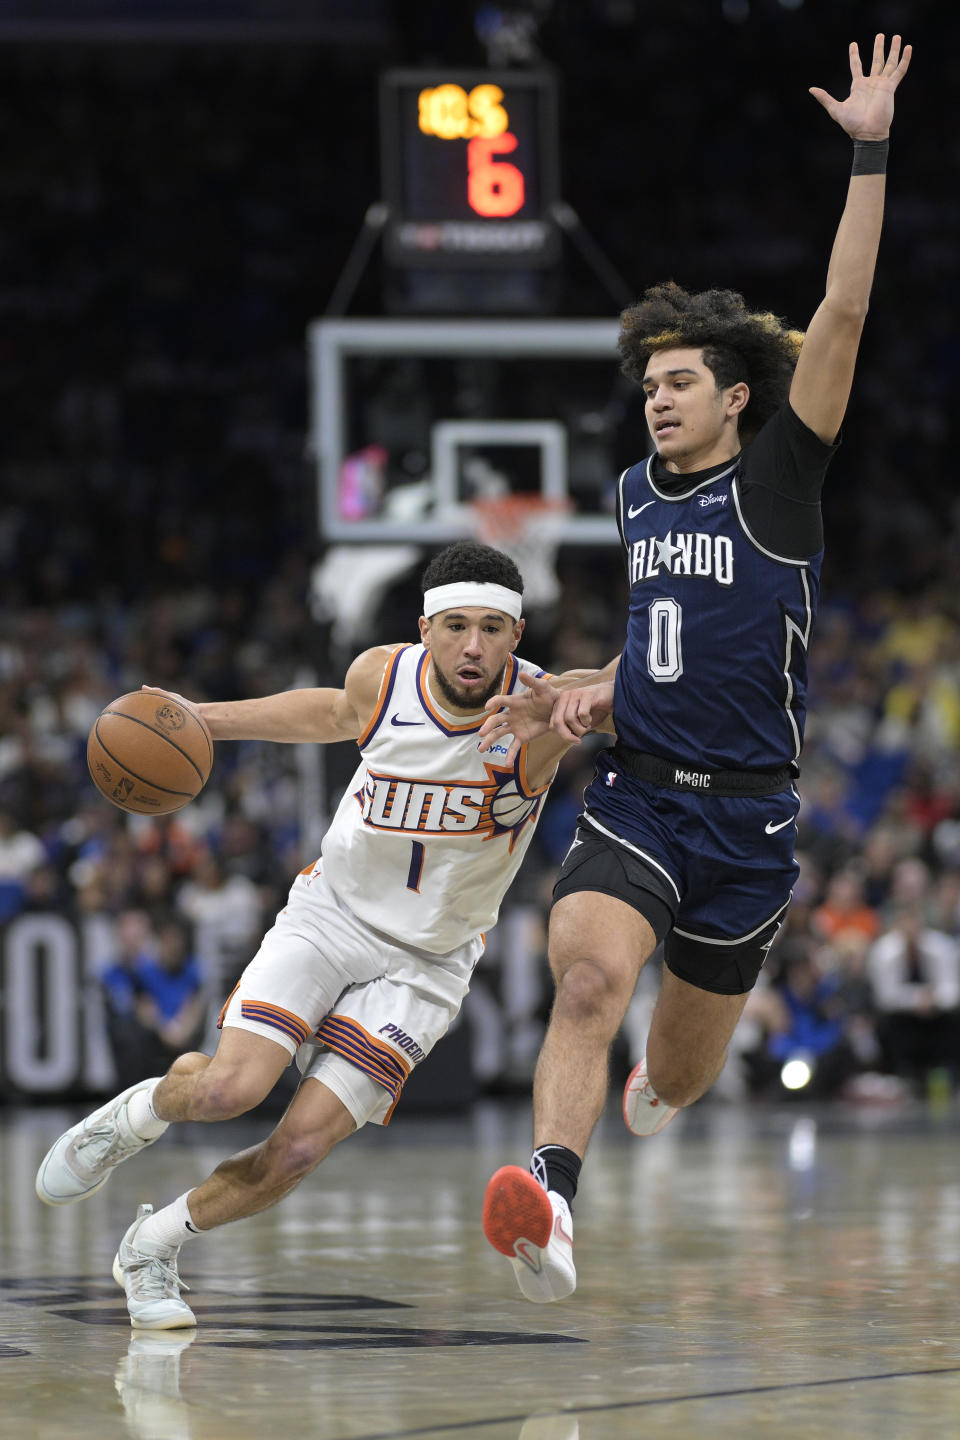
{"x":782,"y":475}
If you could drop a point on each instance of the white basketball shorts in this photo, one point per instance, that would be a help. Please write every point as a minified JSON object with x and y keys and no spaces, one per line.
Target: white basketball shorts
{"x":357,"y":1008}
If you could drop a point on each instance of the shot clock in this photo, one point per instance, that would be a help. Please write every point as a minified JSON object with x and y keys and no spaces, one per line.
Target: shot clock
{"x":469,"y":168}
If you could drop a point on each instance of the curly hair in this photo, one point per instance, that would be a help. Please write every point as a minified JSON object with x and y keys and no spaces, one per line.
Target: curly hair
{"x":737,"y":345}
{"x":469,"y":560}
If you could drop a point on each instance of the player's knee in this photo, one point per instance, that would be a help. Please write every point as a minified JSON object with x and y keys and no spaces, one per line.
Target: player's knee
{"x":190,"y":1063}
{"x":290,"y":1158}
{"x":223,"y":1094}
{"x":591,"y":993}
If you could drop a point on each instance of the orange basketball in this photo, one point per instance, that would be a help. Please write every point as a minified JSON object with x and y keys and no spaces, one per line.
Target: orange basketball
{"x":149,"y":754}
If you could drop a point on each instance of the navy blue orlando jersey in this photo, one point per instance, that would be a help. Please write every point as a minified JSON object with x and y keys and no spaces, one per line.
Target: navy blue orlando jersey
{"x":714,"y":668}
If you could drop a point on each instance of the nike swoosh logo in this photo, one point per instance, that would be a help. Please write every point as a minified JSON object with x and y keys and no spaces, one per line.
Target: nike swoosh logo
{"x":394,"y":720}
{"x":529,"y":1253}
{"x":771,"y":829}
{"x":560,"y":1233}
{"x":631,"y":513}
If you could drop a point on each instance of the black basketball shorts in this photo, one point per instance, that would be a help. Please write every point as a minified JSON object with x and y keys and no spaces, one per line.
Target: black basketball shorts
{"x":604,"y":864}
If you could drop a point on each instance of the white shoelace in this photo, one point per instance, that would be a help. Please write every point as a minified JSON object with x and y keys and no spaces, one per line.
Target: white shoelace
{"x":104,"y":1143}
{"x":153,"y":1279}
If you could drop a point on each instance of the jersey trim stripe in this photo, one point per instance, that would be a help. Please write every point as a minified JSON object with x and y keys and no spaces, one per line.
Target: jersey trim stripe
{"x":520,"y":773}
{"x":276,"y":1016}
{"x":713,"y":480}
{"x":620,"y":482}
{"x":511,"y":675}
{"x":793,"y":632}
{"x":349,"y":1039}
{"x":226,"y":1005}
{"x":741,"y":939}
{"x":634,"y":850}
{"x":383,"y":699}
{"x":445,"y":725}
{"x":770,"y":554}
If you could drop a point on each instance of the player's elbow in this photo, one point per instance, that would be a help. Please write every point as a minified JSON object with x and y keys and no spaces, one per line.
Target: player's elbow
{"x":847,"y":307}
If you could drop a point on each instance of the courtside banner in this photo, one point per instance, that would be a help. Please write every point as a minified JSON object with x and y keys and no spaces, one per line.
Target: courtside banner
{"x":53,"y":1035}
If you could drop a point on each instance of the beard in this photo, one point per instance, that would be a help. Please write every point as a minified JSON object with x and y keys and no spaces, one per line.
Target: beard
{"x":456,"y":698}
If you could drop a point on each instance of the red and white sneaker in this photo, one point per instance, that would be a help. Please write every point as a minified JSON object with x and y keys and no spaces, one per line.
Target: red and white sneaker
{"x":534,"y":1229}
{"x":644,"y":1113}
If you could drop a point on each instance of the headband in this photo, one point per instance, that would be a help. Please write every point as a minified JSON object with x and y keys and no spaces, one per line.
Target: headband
{"x":472,"y":592}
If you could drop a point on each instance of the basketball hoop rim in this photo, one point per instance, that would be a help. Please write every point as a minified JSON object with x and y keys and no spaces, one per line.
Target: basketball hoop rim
{"x":504,"y":517}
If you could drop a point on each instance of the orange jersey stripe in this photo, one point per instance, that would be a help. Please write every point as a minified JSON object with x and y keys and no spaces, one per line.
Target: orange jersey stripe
{"x":349,"y":1039}
{"x":276,"y":1016}
{"x":226,"y":1005}
{"x":449,"y":727}
{"x":386,"y":685}
{"x":524,"y":780}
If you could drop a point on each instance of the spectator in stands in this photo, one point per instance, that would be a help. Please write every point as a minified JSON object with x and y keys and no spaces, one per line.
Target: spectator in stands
{"x":914,"y":972}
{"x":154,"y":994}
{"x":844,"y":910}
{"x":226,"y":916}
{"x":878,"y":856}
{"x":804,"y":1015}
{"x":21,"y":852}
{"x":946,"y":907}
{"x":910,"y":883}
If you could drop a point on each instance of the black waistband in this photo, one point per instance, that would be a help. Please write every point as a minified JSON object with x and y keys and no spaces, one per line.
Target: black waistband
{"x":673,"y":775}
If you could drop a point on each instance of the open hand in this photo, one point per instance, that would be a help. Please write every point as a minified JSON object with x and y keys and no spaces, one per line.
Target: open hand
{"x":519,"y":717}
{"x":868,"y":109}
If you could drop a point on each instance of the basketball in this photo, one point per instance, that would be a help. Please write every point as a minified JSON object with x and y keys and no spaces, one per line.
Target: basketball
{"x":149,"y":754}
{"x":510,"y":807}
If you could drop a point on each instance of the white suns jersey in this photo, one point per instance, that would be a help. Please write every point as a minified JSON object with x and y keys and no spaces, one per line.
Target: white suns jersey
{"x":429,"y":833}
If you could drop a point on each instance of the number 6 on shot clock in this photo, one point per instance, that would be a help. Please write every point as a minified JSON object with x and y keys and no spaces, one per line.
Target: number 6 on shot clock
{"x":469,"y":168}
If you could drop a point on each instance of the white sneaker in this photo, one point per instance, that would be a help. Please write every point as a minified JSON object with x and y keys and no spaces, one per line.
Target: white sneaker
{"x":148,"y":1274}
{"x":80,"y":1162}
{"x":644,"y":1113}
{"x":534,"y":1229}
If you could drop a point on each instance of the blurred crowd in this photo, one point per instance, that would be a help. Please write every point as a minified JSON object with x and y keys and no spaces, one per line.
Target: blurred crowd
{"x":171,"y":221}
{"x":864,"y":978}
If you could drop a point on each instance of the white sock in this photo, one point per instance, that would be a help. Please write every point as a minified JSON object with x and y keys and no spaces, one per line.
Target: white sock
{"x":143,"y":1119}
{"x":170,"y":1227}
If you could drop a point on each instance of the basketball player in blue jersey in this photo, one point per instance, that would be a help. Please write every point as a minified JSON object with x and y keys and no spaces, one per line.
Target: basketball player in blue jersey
{"x":370,"y":959}
{"x":688,"y":831}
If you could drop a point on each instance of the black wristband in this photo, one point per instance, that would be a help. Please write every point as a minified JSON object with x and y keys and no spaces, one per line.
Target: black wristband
{"x":870,"y":157}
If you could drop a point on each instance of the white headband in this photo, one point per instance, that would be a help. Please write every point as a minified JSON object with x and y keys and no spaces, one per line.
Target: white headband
{"x":472,"y":592}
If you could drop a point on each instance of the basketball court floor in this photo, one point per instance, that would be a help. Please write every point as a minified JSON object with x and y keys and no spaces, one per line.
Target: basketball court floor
{"x":750,"y":1272}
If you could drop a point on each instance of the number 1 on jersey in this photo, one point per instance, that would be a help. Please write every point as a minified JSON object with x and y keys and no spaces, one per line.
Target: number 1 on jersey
{"x":664,"y":655}
{"x":415,"y":872}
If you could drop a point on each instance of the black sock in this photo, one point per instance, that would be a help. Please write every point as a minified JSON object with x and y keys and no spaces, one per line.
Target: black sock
{"x":557,"y":1168}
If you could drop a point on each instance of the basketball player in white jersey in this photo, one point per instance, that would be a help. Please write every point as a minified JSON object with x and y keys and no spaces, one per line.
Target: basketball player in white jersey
{"x":369,"y":962}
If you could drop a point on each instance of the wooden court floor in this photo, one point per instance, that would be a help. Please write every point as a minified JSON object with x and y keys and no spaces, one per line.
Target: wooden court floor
{"x":748,"y":1273}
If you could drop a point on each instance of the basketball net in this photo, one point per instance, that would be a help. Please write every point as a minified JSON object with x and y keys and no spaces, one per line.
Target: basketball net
{"x":526,"y":527}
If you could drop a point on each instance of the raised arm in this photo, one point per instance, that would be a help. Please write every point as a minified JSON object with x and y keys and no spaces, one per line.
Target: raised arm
{"x":319,"y":715}
{"x":824,"y":373}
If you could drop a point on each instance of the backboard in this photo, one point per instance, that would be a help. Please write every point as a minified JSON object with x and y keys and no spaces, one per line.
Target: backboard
{"x":414,"y":420}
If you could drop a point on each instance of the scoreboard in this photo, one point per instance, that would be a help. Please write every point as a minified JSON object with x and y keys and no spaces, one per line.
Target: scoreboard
{"x":469,"y":167}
